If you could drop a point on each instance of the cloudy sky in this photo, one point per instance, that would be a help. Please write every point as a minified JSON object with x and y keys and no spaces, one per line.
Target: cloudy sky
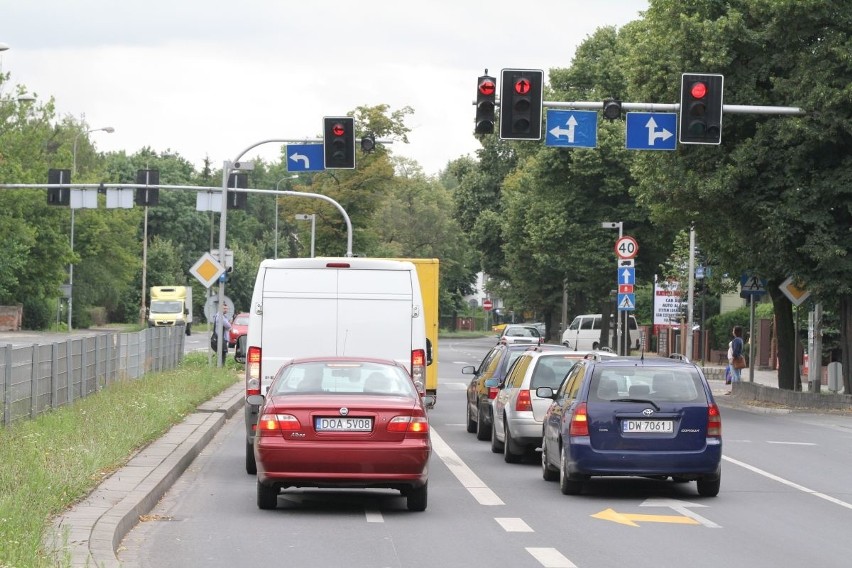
{"x":208,"y":78}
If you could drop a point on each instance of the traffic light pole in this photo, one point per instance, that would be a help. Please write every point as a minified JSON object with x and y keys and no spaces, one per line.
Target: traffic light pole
{"x":661,"y":107}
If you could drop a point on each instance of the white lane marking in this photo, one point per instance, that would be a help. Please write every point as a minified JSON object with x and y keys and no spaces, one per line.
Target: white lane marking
{"x":374,"y":516}
{"x":464,"y":474}
{"x":681,"y":507}
{"x":550,"y":558}
{"x":513,"y":524}
{"x":791,"y":443}
{"x":789,"y":483}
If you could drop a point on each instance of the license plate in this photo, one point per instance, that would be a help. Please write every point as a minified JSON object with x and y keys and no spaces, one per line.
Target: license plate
{"x":343,"y":424}
{"x":647,"y":426}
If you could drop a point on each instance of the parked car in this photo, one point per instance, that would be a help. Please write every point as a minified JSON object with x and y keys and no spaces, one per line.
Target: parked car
{"x":239,"y":328}
{"x":632,"y":416}
{"x":584,"y":332}
{"x":517,"y":410}
{"x":520,"y":334}
{"x":342,"y":422}
{"x":483,"y":387}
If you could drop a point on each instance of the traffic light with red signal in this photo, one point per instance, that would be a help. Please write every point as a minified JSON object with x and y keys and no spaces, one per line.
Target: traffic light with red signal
{"x":521,"y":99}
{"x":486,"y":101}
{"x":339,"y":142}
{"x":701,"y":108}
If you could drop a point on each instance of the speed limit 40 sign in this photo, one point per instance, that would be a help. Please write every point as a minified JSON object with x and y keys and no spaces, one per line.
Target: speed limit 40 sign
{"x":626,"y":247}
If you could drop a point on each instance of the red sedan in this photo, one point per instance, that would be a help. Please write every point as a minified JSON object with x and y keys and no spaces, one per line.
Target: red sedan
{"x":342,"y":422}
{"x":238,"y":327}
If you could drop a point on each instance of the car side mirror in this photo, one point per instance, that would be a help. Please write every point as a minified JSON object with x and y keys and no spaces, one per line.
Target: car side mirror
{"x":544,"y":392}
{"x":240,"y":350}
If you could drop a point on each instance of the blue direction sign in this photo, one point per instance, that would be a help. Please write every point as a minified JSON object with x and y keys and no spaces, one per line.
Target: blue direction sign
{"x":305,"y":158}
{"x":651,"y":130}
{"x":626,"y":302}
{"x":572,"y":128}
{"x":627,"y":275}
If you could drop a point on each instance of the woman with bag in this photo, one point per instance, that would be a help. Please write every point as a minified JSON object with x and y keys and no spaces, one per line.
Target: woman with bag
{"x":736,"y":359}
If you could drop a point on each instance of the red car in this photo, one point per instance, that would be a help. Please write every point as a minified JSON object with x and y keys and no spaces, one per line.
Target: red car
{"x":342,"y":422}
{"x":238,"y":327}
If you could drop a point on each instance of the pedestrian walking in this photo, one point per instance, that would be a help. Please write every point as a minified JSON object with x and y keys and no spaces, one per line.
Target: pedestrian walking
{"x":226,"y":330}
{"x":736,"y":359}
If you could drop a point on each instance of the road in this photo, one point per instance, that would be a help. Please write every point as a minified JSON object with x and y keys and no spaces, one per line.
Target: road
{"x":786,"y":500}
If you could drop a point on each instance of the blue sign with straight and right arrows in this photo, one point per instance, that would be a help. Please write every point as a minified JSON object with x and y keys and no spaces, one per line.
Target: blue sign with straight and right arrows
{"x":651,"y":131}
{"x":571,"y":128}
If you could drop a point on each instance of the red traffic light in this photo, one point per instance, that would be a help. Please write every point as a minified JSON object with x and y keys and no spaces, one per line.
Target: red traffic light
{"x":487,"y":87}
{"x":698,"y":90}
{"x":338,"y":129}
{"x":523,"y":86}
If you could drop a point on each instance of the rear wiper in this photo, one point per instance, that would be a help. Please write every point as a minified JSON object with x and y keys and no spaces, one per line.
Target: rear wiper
{"x":651,"y":402}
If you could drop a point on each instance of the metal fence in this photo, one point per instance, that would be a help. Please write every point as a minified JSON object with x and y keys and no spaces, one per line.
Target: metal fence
{"x":37,"y":378}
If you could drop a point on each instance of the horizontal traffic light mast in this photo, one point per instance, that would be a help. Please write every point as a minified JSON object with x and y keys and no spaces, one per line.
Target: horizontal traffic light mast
{"x":675,"y":107}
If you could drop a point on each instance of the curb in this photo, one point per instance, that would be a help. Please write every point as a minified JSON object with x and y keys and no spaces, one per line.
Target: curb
{"x":89,"y":533}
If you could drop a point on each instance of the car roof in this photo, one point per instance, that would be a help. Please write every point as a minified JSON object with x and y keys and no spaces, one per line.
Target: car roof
{"x":641,"y":361}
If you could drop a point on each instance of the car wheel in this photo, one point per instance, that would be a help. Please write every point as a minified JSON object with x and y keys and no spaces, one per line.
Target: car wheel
{"x":709,"y":487}
{"x":267,"y":497}
{"x":567,"y":485}
{"x":483,"y":431}
{"x":496,"y":445}
{"x":251,"y":465}
{"x":548,"y":472}
{"x":471,"y":423}
{"x":416,"y":498}
{"x":510,"y":448}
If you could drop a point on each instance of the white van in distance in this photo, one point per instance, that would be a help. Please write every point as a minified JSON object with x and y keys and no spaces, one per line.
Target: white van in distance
{"x":584,"y":333}
{"x":319,"y":307}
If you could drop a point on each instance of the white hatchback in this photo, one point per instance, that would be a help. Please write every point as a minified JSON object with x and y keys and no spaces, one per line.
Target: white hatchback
{"x":515,"y":334}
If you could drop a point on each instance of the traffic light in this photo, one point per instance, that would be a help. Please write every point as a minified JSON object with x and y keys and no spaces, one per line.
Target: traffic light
{"x":520,"y":104}
{"x":611,"y":109}
{"x":58,"y":195}
{"x":486,"y":100}
{"x":147,"y":196}
{"x":339,"y":142}
{"x":701,"y":108}
{"x":238,"y":199}
{"x":368,"y":143}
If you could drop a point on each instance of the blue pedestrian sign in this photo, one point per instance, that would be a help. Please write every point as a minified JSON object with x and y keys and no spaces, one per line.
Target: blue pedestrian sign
{"x":572,"y":128}
{"x":305,"y":158}
{"x":651,"y":130}
{"x":626,"y":302}
{"x":751,"y":285}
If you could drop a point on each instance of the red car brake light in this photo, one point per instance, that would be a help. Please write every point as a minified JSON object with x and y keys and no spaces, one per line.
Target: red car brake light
{"x":409,"y":424}
{"x":492,"y":392}
{"x":523,"y":403}
{"x":714,"y":422}
{"x":274,"y":424}
{"x":253,"y":371}
{"x":579,"y":421}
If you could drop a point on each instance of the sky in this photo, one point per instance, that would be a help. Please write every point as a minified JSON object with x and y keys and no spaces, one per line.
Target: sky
{"x":209,"y":78}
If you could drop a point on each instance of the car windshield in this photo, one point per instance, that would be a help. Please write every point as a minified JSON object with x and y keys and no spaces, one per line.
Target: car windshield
{"x":241,"y":320}
{"x":344,"y":378}
{"x":660,"y":384}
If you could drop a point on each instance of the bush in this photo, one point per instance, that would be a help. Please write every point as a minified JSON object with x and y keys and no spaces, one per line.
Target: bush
{"x":38,"y":313}
{"x":720,"y":327}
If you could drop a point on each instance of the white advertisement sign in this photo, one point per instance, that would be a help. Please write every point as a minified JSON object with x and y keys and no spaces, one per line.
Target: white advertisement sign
{"x":669,"y":303}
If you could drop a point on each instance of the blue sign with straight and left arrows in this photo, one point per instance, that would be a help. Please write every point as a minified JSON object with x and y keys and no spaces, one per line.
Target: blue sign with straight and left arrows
{"x":651,"y":130}
{"x":572,"y":128}
{"x":305,"y":158}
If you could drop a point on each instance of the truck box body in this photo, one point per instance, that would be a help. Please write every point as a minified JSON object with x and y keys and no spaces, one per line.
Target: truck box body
{"x":316,"y":307}
{"x":170,"y":306}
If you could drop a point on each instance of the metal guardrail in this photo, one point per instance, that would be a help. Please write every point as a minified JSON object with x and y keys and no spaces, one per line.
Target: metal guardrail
{"x":38,"y":378}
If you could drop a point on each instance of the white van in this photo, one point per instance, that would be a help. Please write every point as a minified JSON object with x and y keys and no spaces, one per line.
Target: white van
{"x":318,"y":307}
{"x":584,"y":333}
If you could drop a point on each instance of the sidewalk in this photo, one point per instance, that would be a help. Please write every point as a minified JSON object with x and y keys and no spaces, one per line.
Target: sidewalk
{"x":716,"y":376}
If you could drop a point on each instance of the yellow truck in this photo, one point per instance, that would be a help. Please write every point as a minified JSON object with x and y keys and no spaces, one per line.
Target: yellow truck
{"x":427,"y":274}
{"x":170,"y":306}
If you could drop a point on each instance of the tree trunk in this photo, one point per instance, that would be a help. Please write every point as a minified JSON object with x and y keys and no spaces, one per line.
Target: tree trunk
{"x":786,"y":335}
{"x":846,"y":341}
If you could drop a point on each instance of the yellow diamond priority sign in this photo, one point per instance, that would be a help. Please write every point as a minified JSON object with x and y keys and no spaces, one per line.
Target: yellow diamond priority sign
{"x":207,"y":269}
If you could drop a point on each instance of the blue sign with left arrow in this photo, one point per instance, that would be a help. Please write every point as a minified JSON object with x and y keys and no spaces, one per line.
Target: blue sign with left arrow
{"x":572,"y":128}
{"x":651,"y":130}
{"x":305,"y":158}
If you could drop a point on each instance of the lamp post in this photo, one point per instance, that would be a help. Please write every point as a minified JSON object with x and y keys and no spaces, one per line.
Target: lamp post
{"x":109,"y":130}
{"x":276,"y":209}
{"x":313,"y":218}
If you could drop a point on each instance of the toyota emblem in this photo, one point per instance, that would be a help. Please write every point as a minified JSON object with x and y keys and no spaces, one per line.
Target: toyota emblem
{"x":646,"y":412}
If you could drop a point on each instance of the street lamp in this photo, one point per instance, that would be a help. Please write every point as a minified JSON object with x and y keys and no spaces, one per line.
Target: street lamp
{"x":109,"y":130}
{"x":313,"y":219}
{"x":294,"y":176}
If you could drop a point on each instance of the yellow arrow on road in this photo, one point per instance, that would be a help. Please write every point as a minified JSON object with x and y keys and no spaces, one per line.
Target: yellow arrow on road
{"x":629,"y":518}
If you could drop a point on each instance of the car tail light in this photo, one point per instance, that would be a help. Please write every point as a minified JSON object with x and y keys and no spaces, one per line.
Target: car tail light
{"x":274,"y":424}
{"x":418,"y":366}
{"x":579,"y":421}
{"x":523,"y":402}
{"x":253,"y":371}
{"x":409,"y":424}
{"x":714,"y":422}
{"x":492,"y":392}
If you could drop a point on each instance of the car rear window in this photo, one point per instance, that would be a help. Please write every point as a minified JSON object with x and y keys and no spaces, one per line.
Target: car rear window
{"x":551,"y":370}
{"x":348,"y":378}
{"x":657,"y":384}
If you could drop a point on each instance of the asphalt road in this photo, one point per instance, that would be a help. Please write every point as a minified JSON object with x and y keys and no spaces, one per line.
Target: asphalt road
{"x":786,"y":500}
